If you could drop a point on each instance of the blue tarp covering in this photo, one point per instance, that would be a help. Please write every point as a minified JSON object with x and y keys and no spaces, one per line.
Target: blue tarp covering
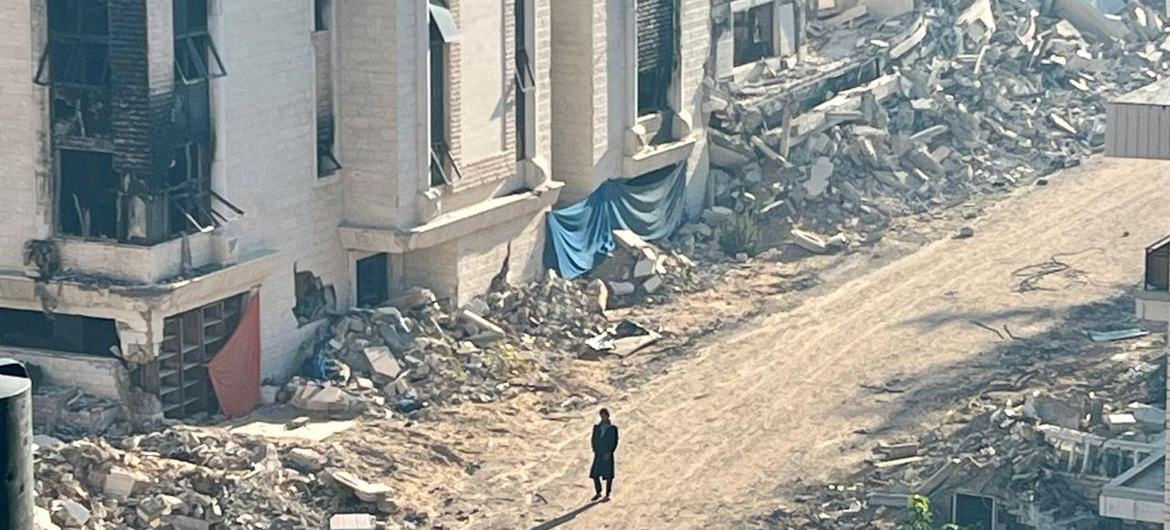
{"x":650,"y":205}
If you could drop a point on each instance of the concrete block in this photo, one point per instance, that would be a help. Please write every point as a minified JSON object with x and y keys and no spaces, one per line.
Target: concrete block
{"x":69,"y":513}
{"x":353,"y":521}
{"x":184,"y":522}
{"x":621,"y":288}
{"x":124,"y":483}
{"x":382,"y":362}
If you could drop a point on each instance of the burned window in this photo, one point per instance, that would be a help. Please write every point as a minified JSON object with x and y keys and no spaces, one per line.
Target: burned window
{"x":188,"y":197}
{"x":189,"y":190}
{"x":88,"y":195}
{"x":196,"y":58}
{"x":66,"y":333}
{"x":755,"y":33}
{"x":373,"y":280}
{"x":657,"y":53}
{"x":442,"y":31}
{"x":76,"y":64}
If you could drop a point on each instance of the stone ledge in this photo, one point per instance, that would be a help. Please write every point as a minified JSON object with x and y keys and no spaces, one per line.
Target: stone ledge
{"x":451,"y":225}
{"x":658,"y":156}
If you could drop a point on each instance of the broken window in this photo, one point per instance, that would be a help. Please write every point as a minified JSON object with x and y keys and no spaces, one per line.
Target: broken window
{"x":196,"y":58}
{"x":373,"y":280}
{"x":89,"y":194}
{"x":1158,"y":266}
{"x":188,"y":196}
{"x":314,"y":299}
{"x":755,"y":32}
{"x":191,"y":340}
{"x":66,"y":333}
{"x":657,"y":53}
{"x":974,"y":512}
{"x":525,"y":83}
{"x":76,"y":64}
{"x":322,"y":15}
{"x":442,"y":32}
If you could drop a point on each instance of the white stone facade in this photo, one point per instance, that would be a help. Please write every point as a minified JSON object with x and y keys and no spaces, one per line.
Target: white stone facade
{"x":597,"y":134}
{"x":264,"y":120}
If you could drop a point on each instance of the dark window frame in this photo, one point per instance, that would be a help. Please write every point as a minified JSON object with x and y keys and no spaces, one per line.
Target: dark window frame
{"x":745,"y":53}
{"x":663,"y":66}
{"x":322,"y":15}
{"x":80,"y":39}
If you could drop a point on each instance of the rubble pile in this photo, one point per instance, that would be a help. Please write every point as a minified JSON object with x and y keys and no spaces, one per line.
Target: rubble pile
{"x":1043,"y":441}
{"x":68,"y":411}
{"x":181,"y":477}
{"x":1007,"y":94}
{"x":369,"y":359}
{"x":636,"y":270}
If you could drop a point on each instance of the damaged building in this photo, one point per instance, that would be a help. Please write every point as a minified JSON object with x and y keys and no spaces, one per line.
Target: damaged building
{"x":1134,"y":130}
{"x":169,"y":164}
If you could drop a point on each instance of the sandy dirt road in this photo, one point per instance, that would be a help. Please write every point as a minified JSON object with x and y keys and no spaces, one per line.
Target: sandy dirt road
{"x":718,"y":438}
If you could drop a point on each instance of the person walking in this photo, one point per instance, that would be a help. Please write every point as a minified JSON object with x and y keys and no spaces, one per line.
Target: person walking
{"x":604,"y":442}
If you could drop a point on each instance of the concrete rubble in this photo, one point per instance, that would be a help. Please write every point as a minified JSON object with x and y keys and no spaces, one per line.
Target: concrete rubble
{"x":1040,"y":439}
{"x":923,"y":112}
{"x":414,"y":352}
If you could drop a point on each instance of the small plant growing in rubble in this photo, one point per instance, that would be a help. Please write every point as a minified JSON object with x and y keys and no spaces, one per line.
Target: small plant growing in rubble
{"x":740,"y":233}
{"x":505,"y":360}
{"x":921,"y":518}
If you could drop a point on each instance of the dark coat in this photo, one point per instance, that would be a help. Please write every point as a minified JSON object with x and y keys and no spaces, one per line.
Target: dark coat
{"x":604,"y":442}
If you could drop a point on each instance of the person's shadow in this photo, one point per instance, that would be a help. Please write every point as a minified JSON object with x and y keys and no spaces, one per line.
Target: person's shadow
{"x":562,"y":519}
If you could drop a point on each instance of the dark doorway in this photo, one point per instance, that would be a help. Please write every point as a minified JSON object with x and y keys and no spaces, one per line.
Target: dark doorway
{"x":974,"y":512}
{"x":373,"y":280}
{"x":87,"y":202}
{"x":66,"y":333}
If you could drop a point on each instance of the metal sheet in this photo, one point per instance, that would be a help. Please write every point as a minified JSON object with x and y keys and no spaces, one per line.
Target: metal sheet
{"x":1136,"y":130}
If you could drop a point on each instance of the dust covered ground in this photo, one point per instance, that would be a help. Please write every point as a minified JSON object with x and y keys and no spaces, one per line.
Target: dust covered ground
{"x":764,"y":383}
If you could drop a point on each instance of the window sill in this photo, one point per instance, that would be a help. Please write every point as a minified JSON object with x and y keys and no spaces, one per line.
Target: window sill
{"x":654,"y":157}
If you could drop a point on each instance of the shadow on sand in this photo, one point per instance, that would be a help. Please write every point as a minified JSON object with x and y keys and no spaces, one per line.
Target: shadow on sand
{"x":565,"y":518}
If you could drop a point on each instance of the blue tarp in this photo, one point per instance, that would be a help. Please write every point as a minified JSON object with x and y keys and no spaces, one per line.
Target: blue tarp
{"x":650,"y":205}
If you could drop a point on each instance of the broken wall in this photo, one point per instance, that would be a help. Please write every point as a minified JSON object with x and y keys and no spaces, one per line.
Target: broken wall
{"x":266,"y":160}
{"x":104,"y":377}
{"x":482,"y":255}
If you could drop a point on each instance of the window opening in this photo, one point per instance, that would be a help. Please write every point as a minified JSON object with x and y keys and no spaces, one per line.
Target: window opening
{"x":656,"y":54}
{"x":755,"y":33}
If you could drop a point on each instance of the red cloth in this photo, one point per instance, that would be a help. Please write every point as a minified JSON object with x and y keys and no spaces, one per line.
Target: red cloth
{"x":235,"y":370}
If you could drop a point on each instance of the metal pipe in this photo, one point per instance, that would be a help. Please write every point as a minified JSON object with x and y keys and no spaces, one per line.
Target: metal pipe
{"x":16,"y":460}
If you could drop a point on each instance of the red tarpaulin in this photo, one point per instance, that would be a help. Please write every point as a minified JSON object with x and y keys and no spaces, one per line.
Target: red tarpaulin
{"x":235,"y":370}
